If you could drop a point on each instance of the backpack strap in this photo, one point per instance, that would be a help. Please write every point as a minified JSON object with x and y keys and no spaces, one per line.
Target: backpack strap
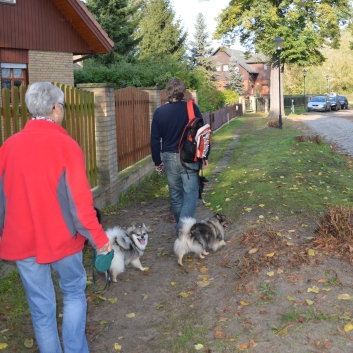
{"x":190,"y":107}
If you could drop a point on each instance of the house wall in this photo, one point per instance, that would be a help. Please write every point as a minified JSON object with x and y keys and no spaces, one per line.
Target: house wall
{"x":262,"y":82}
{"x":252,"y":82}
{"x":38,"y":25}
{"x":50,"y":66}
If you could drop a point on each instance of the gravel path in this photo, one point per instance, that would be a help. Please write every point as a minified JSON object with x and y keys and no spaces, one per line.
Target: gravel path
{"x":335,"y":127}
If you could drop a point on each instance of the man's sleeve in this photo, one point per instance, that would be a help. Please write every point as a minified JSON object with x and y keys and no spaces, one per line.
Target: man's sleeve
{"x":155,"y":143}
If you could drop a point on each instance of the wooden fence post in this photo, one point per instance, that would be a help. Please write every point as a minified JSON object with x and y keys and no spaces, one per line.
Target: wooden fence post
{"x":104,"y":102}
{"x":155,"y":99}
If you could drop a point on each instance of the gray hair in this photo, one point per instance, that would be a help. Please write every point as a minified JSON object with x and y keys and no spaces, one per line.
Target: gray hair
{"x":41,"y":98}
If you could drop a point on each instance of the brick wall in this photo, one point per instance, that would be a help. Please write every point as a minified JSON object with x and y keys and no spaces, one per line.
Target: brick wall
{"x":50,"y":66}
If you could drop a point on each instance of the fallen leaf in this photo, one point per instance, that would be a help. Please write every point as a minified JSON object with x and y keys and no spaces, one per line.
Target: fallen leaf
{"x":262,"y":205}
{"x":270,"y":274}
{"x":282,"y":332}
{"x":117,"y":347}
{"x":103,"y":322}
{"x":113,"y":300}
{"x":279,"y":271}
{"x":144,"y":296}
{"x":131,"y":315}
{"x":28,"y":343}
{"x":344,"y":297}
{"x":311,"y":252}
{"x":172,"y":283}
{"x":309,"y":302}
{"x":231,"y":339}
{"x":4,"y":330}
{"x":321,"y":280}
{"x":243,"y":346}
{"x":291,"y":231}
{"x":198,"y":346}
{"x":289,"y":298}
{"x":3,"y":345}
{"x":101,"y":297}
{"x":270,"y":254}
{"x":248,"y":209}
{"x":314,"y":289}
{"x":219,"y":334}
{"x":348,"y":327}
{"x":183,"y":294}
{"x":203,"y":283}
{"x":244,"y":303}
{"x":253,"y":251}
{"x":203,"y":269}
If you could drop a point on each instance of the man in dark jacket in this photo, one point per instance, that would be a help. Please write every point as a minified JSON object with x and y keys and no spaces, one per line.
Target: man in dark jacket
{"x":168,"y":124}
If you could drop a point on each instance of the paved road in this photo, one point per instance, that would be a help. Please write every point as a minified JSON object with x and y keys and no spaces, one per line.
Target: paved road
{"x":335,"y":127}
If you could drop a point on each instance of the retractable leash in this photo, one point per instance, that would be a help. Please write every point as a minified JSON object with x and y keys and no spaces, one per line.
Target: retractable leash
{"x":102,"y":263}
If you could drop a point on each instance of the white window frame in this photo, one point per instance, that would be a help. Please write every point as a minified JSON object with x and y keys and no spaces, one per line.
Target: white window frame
{"x":225,"y":67}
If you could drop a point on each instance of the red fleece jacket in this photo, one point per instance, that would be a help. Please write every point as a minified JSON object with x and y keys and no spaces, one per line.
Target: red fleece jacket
{"x":46,"y":204}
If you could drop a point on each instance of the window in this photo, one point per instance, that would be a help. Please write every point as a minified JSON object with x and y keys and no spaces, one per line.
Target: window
{"x":13,"y":75}
{"x":8,"y":1}
{"x":265,"y":67}
{"x":225,"y":67}
{"x":218,"y":68}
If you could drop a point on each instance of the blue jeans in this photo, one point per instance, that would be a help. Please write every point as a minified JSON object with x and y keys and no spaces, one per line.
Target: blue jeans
{"x":41,"y":298}
{"x":183,"y":186}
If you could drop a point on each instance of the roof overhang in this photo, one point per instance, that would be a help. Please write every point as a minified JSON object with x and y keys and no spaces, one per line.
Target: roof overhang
{"x":85,"y":24}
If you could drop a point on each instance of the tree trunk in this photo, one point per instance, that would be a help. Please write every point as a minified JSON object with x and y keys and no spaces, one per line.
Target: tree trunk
{"x":274,"y":92}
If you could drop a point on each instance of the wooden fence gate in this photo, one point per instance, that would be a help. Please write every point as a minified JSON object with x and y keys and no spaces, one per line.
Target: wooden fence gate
{"x":132,"y":126}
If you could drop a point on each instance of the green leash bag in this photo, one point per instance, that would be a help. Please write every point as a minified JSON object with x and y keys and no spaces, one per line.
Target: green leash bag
{"x":101,"y":263}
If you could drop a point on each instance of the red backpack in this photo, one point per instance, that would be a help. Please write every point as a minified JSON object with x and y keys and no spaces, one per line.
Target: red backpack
{"x":195,"y":140}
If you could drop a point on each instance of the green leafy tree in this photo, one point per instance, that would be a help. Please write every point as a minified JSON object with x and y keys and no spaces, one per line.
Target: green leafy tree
{"x":235,"y":79}
{"x":201,"y":49}
{"x":306,"y":27}
{"x":161,"y":34}
{"x":119,"y":18}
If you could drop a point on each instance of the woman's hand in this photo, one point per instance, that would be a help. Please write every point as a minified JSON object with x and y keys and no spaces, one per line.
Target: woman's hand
{"x":107,"y":247}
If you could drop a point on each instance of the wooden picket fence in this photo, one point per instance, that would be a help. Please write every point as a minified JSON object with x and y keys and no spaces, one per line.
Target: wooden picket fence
{"x":79,"y":120}
{"x":132,"y":126}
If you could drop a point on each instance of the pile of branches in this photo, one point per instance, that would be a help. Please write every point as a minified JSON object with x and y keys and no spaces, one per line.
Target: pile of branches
{"x":335,"y":231}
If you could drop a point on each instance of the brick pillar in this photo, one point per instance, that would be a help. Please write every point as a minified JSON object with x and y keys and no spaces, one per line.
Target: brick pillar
{"x":154,"y":98}
{"x":107,"y":154}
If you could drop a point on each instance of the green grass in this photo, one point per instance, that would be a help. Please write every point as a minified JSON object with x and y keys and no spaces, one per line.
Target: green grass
{"x":298,"y":110}
{"x":269,"y":168}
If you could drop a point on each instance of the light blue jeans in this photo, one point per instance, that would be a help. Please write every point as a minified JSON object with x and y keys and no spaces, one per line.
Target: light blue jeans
{"x":183,"y":186}
{"x":41,"y":298}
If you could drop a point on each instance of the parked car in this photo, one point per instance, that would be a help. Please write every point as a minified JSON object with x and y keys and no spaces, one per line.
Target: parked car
{"x":319,"y":103}
{"x":335,"y":103}
{"x":343,"y":101}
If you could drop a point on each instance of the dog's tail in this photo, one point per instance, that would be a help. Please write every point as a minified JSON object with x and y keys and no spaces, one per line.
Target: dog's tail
{"x":117,"y":235}
{"x":186,"y":224}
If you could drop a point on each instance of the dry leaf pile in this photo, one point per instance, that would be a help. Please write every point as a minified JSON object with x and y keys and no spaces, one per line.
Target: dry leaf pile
{"x":335,"y":232}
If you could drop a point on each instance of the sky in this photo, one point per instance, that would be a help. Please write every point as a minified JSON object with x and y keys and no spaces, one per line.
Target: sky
{"x":187,"y":10}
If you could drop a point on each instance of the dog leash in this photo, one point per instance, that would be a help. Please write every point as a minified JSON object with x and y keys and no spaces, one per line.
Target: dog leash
{"x":102,"y":264}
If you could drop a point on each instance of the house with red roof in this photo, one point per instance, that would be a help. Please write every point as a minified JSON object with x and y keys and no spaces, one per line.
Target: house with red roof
{"x":38,"y":39}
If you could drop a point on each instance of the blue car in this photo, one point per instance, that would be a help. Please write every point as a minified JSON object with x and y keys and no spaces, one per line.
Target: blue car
{"x":343,"y":101}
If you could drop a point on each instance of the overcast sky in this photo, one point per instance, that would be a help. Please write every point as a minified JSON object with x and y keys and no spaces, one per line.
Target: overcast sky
{"x":187,"y":11}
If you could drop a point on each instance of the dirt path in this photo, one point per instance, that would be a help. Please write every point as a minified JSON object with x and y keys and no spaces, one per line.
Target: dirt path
{"x":290,"y":305}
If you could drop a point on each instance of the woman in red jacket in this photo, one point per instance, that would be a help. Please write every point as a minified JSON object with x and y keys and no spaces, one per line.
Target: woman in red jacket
{"x":46,"y":213}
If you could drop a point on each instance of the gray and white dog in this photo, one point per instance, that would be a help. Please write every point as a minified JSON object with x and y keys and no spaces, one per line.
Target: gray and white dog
{"x":129,"y":245}
{"x":197,"y":237}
